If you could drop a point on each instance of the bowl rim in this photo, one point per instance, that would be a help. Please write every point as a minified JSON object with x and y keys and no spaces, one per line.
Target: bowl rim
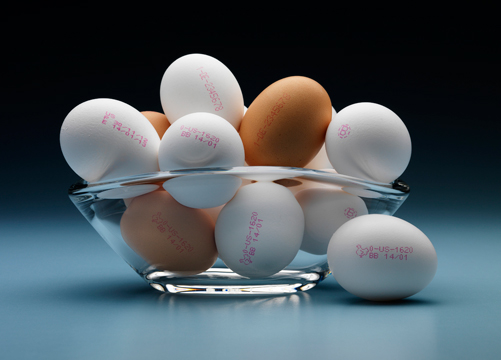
{"x":397,"y":187}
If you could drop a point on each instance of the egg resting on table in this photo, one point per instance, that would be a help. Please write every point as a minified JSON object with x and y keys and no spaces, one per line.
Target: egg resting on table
{"x":381,"y":258}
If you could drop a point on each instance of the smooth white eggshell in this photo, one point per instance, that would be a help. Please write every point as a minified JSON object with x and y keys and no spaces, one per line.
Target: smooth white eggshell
{"x":325,"y":210}
{"x":279,"y":219}
{"x":381,"y":258}
{"x":203,"y":191}
{"x":368,"y":141}
{"x":103,"y":139}
{"x":201,"y":83}
{"x":181,"y":148}
{"x":220,"y":146}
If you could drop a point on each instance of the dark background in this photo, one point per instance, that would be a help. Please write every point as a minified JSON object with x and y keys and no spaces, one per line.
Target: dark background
{"x":441,"y":78}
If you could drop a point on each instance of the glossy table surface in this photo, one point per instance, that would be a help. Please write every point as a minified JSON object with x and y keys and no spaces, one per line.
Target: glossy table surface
{"x":67,"y":295}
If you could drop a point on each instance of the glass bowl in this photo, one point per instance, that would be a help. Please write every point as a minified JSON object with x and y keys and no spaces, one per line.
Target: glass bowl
{"x":103,"y":203}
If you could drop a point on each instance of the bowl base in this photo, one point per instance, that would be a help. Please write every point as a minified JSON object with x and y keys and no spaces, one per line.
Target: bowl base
{"x":222,"y":281}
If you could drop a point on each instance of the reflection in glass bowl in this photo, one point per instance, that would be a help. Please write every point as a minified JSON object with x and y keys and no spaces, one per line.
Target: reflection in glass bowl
{"x":103,"y":203}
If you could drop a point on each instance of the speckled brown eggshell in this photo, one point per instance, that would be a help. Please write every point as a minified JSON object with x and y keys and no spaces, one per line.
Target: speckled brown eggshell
{"x":168,"y":235}
{"x":286,"y":124}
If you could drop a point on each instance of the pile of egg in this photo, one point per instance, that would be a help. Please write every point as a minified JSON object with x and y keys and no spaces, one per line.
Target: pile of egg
{"x":256,"y":228}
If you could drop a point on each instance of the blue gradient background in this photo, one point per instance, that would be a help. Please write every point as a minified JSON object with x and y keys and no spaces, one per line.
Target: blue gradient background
{"x":66,"y":295}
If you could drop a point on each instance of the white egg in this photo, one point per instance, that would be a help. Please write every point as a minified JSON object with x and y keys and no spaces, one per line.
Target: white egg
{"x":201,"y":140}
{"x":102,"y":139}
{"x":381,"y":258}
{"x":368,"y":141}
{"x":201,"y":83}
{"x":259,"y":232}
{"x":203,"y":191}
{"x":325,"y":210}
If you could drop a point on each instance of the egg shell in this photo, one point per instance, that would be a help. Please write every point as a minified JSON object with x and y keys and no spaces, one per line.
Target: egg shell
{"x":325,"y":210}
{"x":286,"y":124}
{"x":368,"y":141}
{"x":259,"y":232}
{"x":381,"y":258}
{"x":214,"y":211}
{"x":168,"y":235}
{"x":201,"y":83}
{"x":158,"y":120}
{"x":321,"y":160}
{"x":203,"y":191}
{"x":104,"y":138}
{"x":200,"y":140}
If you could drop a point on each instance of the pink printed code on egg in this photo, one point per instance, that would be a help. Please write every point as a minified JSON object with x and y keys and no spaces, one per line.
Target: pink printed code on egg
{"x":344,"y":131}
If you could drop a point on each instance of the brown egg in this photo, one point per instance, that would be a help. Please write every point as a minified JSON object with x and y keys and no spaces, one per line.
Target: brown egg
{"x":158,"y":120}
{"x":168,"y":235}
{"x":286,"y":124}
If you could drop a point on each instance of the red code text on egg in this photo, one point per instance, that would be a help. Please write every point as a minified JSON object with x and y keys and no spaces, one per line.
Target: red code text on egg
{"x":120,"y":127}
{"x":344,"y":131}
{"x":200,"y":136}
{"x":172,"y":234}
{"x":350,"y":213}
{"x":209,"y":86}
{"x":384,"y":252}
{"x":249,"y":251}
{"x":275,"y":110}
